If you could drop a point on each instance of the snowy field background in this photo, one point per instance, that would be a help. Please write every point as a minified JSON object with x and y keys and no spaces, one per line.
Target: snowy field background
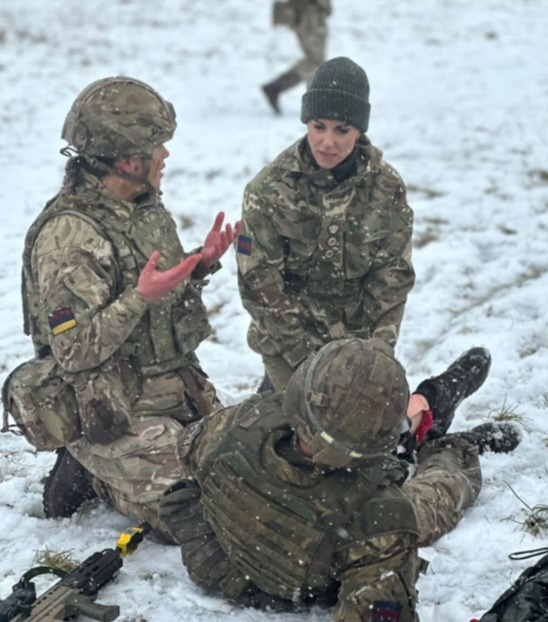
{"x":459,"y":95}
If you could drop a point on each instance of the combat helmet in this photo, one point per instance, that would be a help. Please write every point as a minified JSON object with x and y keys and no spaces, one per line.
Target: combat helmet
{"x":348,"y":402}
{"x":118,"y":117}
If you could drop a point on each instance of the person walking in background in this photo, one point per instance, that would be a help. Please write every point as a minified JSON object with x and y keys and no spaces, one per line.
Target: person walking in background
{"x":308,"y":19}
{"x":325,"y":247}
{"x":114,"y":307}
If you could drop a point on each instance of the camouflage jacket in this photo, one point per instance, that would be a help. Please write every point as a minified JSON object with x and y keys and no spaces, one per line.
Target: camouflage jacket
{"x":81,"y":263}
{"x":291,"y":532}
{"x":320,"y":260}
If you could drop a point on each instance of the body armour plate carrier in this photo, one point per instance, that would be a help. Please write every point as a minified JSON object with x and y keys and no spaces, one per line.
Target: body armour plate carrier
{"x":165,"y":337}
{"x":282,"y":532}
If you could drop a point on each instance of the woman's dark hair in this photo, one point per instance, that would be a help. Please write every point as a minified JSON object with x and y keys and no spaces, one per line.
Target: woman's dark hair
{"x":100,"y":167}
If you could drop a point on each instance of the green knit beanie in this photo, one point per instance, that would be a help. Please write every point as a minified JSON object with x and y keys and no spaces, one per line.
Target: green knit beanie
{"x":338,"y":90}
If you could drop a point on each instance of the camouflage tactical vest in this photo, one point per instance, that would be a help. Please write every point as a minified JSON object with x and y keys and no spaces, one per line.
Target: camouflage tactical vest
{"x":167,"y":334}
{"x":281,"y":528}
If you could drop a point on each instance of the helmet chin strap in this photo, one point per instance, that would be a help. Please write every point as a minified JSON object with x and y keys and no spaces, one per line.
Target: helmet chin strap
{"x":140,"y":179}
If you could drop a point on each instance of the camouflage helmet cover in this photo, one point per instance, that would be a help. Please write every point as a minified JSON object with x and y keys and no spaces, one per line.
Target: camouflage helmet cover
{"x":348,"y":401}
{"x":118,"y":117}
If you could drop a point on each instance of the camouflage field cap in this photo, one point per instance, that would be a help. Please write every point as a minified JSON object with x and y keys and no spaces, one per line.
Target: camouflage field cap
{"x":348,"y":401}
{"x":118,"y":117}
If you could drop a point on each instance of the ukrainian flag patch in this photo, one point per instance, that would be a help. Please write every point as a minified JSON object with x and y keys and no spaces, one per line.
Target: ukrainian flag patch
{"x":61,"y":320}
{"x":244,"y":245}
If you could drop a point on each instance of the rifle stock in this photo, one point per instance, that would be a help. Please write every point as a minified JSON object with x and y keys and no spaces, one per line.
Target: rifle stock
{"x":63,"y":604}
{"x":75,"y":593}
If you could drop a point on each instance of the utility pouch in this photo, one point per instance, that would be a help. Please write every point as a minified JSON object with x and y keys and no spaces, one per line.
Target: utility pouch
{"x":42,"y":404}
{"x":198,"y":400}
{"x":104,"y":397}
{"x":189,"y":321}
{"x":284,"y":14}
{"x":53,"y":408}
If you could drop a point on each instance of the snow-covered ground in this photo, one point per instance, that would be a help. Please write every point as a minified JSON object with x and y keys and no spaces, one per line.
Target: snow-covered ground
{"x":459,"y":94}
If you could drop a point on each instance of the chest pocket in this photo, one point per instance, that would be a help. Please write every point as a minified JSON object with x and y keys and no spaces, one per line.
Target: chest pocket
{"x":153,"y":229}
{"x":299,"y":225}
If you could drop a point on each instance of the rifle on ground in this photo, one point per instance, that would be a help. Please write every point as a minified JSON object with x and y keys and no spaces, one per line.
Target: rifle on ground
{"x":75,"y":593}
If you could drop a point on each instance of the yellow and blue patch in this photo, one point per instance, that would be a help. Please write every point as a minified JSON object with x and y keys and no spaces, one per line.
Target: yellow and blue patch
{"x":61,"y":320}
{"x":244,"y":245}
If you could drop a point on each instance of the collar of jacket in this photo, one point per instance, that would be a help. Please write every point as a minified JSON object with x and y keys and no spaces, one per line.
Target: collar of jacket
{"x":340,"y":172}
{"x":92,"y":190}
{"x":368,"y":159}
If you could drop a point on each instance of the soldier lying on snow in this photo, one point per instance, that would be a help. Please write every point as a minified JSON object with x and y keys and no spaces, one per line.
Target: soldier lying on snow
{"x":297,"y":498}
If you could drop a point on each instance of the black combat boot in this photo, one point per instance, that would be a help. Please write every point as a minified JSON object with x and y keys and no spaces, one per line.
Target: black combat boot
{"x":445,"y":392}
{"x":67,"y":486}
{"x":498,"y":437}
{"x":273,"y":89}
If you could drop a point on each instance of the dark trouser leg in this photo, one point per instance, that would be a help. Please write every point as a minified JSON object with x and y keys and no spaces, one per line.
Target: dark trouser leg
{"x":274,"y":89}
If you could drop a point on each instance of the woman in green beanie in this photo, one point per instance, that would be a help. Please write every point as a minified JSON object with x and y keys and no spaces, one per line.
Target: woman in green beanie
{"x":325,"y":249}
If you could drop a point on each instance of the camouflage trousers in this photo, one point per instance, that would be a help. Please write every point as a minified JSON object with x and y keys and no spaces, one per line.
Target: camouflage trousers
{"x":448,"y":480}
{"x":311,"y":32}
{"x":133,"y":472}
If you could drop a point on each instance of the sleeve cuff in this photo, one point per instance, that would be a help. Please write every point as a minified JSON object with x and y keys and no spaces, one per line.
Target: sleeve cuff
{"x":200,"y":272}
{"x":133,"y":301}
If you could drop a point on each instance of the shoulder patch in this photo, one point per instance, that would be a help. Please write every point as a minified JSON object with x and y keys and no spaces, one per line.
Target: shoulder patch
{"x":244,"y":245}
{"x":61,"y":320}
{"x":385,"y":611}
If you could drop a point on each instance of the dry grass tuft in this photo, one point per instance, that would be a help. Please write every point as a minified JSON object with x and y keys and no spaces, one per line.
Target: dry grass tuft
{"x":536,"y":521}
{"x":506,"y":413}
{"x":62,"y":560}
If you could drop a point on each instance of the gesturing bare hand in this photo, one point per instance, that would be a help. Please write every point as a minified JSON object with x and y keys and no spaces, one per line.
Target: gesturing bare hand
{"x":154,"y":285}
{"x":218,"y":240}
